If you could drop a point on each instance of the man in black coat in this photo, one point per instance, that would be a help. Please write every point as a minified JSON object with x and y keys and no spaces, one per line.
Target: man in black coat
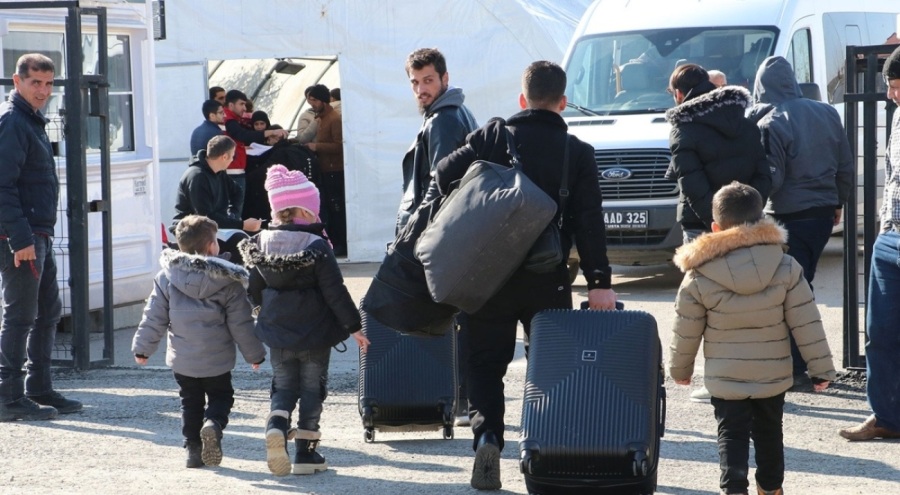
{"x":205,"y":189}
{"x":540,"y":136}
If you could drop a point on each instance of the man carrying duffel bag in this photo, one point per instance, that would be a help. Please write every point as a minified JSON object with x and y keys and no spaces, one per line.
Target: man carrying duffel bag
{"x":540,"y":136}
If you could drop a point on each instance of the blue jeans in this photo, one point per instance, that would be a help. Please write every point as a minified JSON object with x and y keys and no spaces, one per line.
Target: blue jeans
{"x":883,"y":347}
{"x":31,"y":311}
{"x":738,"y":422}
{"x":806,"y":240}
{"x":303,"y":376}
{"x":194,"y":393}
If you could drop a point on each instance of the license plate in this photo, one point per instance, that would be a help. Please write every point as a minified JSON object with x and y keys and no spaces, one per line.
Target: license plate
{"x":626,"y":219}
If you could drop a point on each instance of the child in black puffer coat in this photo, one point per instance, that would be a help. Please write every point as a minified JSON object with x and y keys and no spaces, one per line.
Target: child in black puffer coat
{"x":304,"y":310}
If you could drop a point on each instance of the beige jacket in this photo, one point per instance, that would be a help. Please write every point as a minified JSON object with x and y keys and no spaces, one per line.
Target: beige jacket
{"x":741,"y":295}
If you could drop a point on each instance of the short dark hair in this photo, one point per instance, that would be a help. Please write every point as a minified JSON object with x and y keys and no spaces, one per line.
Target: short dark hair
{"x":235,"y":95}
{"x":736,"y":204}
{"x":194,"y":234}
{"x":218,"y":146}
{"x":691,"y":79}
{"x":543,"y":83}
{"x":335,"y":94}
{"x":424,"y":57}
{"x":37,"y":62}
{"x":210,"y":106}
{"x":213,"y":91}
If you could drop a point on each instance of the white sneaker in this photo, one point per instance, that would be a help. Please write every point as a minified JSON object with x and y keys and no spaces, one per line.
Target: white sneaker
{"x":701,"y":395}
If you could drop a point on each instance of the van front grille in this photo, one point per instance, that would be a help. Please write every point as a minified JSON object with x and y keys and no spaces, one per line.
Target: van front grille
{"x":647,"y":168}
{"x":635,"y":237}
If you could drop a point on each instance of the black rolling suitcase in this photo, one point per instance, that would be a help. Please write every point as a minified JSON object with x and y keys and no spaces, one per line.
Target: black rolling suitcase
{"x":406,"y":382}
{"x":594,"y":405}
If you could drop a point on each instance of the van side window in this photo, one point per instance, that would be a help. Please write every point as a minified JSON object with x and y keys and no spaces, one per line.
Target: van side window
{"x":800,"y":56}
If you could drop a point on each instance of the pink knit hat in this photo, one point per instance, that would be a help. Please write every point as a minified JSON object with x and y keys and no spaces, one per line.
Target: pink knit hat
{"x":291,"y":189}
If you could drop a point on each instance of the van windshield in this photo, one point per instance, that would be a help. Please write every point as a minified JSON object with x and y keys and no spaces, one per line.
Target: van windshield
{"x":624,"y":73}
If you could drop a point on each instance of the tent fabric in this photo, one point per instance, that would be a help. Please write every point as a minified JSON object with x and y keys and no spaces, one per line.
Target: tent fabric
{"x":487,"y":44}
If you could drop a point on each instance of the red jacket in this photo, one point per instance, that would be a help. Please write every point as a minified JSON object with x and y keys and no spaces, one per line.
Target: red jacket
{"x":242,"y":136}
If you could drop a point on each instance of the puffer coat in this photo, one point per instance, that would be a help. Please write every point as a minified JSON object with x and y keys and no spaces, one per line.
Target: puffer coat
{"x":740,"y":297}
{"x":712,"y":144}
{"x":296,"y":281}
{"x":201,"y":303}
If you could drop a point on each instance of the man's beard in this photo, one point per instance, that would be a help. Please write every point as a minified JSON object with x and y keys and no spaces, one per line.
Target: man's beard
{"x":423,"y":109}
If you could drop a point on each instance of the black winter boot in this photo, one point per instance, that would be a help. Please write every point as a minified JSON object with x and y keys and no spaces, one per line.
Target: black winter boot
{"x":306,"y":459}
{"x":211,"y":436}
{"x":193,"y":450}
{"x":486,"y":471}
{"x":277,"y":434}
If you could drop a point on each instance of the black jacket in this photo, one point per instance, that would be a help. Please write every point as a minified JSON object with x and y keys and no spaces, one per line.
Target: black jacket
{"x":204,"y":192}
{"x":295,"y":279}
{"x":540,"y":136}
{"x":29,"y":185}
{"x":446,"y":124}
{"x":712,"y":144}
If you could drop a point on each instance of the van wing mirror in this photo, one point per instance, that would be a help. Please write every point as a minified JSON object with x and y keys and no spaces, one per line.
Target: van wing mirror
{"x":811,"y":91}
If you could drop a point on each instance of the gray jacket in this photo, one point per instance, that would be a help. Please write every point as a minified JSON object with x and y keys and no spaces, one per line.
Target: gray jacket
{"x":201,"y":303}
{"x":805,"y":142}
{"x":446,"y":125}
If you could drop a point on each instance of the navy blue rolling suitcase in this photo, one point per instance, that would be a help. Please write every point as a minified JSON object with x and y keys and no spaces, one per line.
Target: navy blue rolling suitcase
{"x":594,"y":406}
{"x":406,"y":382}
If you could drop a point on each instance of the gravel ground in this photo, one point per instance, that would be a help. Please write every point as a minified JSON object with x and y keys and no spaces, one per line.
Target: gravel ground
{"x":127,"y":440}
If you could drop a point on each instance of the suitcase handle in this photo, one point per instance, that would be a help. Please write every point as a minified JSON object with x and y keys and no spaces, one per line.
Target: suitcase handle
{"x":619,"y":305}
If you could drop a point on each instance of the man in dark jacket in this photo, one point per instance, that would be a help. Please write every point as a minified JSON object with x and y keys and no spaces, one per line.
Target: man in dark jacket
{"x":712,"y":144}
{"x":444,"y":128}
{"x":540,"y":137}
{"x":812,"y":168}
{"x":213,"y":117}
{"x":29,"y":193}
{"x":205,"y":189}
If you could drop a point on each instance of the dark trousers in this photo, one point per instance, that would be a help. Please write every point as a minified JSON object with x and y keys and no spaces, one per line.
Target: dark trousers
{"x":492,"y":341}
{"x":462,"y":370}
{"x":739,"y":421}
{"x":333,"y":209}
{"x":230,"y":246}
{"x":807,"y":238}
{"x":194,"y":393}
{"x":31,"y":311}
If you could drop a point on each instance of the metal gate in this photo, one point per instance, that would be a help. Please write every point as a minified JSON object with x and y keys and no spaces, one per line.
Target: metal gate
{"x":865,"y":89}
{"x":86,"y":97}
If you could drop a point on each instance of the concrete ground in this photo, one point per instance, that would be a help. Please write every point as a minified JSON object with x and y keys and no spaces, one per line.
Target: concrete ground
{"x":127,"y":440}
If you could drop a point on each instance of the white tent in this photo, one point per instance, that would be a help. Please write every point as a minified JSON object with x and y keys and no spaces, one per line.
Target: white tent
{"x":487,"y":44}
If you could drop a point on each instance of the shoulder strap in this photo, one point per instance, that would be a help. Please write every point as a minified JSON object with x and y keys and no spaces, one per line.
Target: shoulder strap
{"x":564,"y":185}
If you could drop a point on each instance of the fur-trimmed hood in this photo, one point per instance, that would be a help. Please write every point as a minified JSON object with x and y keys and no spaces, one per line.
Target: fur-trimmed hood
{"x":743,"y":259}
{"x":200,"y":276}
{"x":285,"y":255}
{"x":721,"y":108}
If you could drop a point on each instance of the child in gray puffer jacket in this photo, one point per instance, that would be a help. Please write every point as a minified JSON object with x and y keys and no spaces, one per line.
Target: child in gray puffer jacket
{"x":305,"y":309}
{"x":200,"y":302}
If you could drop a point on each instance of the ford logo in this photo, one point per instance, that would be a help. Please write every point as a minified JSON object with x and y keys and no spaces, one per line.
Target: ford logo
{"x":616,"y":174}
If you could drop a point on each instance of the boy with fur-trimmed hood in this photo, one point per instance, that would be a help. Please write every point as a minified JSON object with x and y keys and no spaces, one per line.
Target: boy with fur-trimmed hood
{"x":305,"y":309}
{"x":200,"y":302}
{"x":741,"y":297}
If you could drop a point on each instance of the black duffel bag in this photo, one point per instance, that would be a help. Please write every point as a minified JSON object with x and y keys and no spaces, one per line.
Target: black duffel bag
{"x":398,"y":296}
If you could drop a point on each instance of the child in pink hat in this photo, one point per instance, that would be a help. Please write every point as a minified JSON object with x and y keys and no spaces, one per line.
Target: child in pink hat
{"x":304,"y":310}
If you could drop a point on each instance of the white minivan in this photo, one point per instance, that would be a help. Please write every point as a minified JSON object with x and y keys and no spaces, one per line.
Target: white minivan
{"x":618,"y":66}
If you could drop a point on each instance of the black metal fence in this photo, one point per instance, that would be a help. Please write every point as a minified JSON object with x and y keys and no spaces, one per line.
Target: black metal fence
{"x":865,"y":91}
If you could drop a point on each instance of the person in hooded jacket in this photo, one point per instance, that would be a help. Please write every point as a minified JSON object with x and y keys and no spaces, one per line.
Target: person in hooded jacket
{"x":741,"y":297}
{"x":812,"y":168}
{"x":712,"y":144}
{"x":304,"y":310}
{"x":446,"y":122}
{"x":200,"y":302}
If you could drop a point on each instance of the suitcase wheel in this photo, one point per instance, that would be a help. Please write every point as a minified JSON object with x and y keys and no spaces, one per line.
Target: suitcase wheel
{"x":525,"y":462}
{"x":448,"y":433}
{"x":640,"y":465}
{"x":369,"y":435}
